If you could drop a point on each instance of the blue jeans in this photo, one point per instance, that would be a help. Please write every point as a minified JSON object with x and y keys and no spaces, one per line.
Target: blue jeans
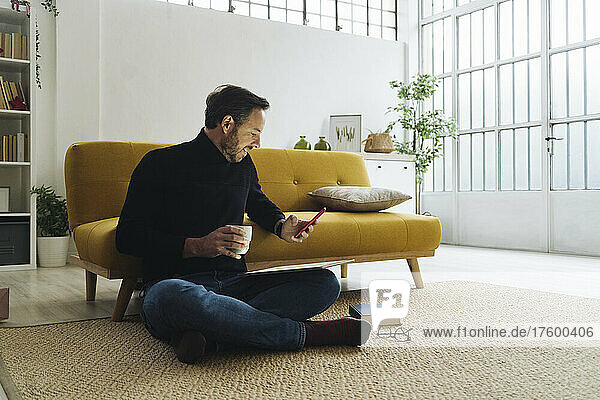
{"x":237,"y":310}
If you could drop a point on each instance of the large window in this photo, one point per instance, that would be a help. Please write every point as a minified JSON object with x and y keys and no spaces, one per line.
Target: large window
{"x":375,"y":18}
{"x":494,"y":60}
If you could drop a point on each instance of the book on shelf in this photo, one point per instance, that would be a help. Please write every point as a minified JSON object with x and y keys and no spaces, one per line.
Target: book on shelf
{"x":25,"y":47}
{"x":27,"y":149}
{"x":14,"y":45}
{"x":14,"y":148}
{"x":22,"y":93}
{"x":5,"y":45}
{"x":20,"y":147}
{"x":3,"y":94}
{"x":13,"y":96}
{"x":3,"y":148}
{"x":16,"y":40}
{"x":3,"y":104}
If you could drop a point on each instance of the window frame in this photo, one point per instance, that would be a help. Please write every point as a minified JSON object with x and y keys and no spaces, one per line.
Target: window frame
{"x":305,"y":13}
{"x":546,"y":121}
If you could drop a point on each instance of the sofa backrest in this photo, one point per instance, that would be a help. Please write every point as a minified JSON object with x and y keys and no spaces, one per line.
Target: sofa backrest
{"x":286,"y":176}
{"x":97,"y":176}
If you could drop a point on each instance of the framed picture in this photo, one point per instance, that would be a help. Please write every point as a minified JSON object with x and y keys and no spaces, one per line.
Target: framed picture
{"x":345,"y":132}
{"x":4,"y":197}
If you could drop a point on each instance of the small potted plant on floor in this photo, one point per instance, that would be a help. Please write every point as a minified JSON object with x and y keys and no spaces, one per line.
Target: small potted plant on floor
{"x":52,"y":227}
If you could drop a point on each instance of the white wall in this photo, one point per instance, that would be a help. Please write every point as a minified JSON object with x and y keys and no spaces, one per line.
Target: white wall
{"x":305,"y":73}
{"x":77,"y":77}
{"x":140,"y":70}
{"x":46,"y":97}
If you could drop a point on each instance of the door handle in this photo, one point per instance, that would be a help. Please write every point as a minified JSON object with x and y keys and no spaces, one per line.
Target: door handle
{"x":550,"y":144}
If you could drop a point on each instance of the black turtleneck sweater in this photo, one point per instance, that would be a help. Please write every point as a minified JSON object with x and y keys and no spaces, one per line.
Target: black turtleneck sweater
{"x":188,"y":190}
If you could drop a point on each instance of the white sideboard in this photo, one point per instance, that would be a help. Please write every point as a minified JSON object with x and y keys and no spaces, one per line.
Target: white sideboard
{"x":393,"y":171}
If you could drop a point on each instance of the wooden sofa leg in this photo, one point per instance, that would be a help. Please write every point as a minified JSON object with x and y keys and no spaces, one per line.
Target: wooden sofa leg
{"x":344,"y":270}
{"x":123,"y":298}
{"x":413,"y":265}
{"x":90,"y":285}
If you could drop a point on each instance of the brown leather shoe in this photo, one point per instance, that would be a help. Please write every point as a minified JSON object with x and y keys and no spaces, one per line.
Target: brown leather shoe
{"x":191,"y":346}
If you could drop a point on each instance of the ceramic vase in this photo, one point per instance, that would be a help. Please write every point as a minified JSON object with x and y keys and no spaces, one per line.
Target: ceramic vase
{"x":322,"y":144}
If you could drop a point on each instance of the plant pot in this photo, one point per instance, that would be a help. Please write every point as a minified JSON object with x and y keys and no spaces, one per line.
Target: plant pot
{"x":379,"y":143}
{"x":52,"y":251}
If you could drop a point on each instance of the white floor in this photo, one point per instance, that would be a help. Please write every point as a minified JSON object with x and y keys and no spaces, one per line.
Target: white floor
{"x":558,"y":273}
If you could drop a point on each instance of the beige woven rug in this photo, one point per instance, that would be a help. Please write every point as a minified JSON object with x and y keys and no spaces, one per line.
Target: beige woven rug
{"x":100,"y":359}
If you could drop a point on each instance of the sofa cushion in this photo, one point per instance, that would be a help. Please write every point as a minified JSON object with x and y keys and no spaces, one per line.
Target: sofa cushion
{"x":346,"y":234}
{"x":337,"y":234}
{"x":356,"y":198}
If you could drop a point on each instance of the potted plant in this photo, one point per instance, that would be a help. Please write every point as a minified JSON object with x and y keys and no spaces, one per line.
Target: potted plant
{"x":426,"y":129}
{"x":52,"y":227}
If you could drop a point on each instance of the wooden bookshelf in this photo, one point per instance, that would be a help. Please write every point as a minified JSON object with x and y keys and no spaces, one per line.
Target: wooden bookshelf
{"x":20,"y":176}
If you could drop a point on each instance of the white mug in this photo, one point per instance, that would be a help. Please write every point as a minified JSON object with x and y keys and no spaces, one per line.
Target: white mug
{"x":248,"y":235}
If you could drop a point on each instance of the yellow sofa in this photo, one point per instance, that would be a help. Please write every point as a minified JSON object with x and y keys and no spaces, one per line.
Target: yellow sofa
{"x":97,"y":176}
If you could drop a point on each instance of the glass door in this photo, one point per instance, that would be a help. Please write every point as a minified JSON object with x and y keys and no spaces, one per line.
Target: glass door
{"x":573,"y":142}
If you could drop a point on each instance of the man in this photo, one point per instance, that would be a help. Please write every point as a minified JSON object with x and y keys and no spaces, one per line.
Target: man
{"x":195,"y":295}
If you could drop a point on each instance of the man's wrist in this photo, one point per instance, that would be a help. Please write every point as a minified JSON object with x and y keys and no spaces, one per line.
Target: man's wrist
{"x":278,"y":227}
{"x":186,"y":253}
{"x":193,"y":247}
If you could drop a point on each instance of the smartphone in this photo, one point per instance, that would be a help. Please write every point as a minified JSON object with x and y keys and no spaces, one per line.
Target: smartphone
{"x":312,"y":221}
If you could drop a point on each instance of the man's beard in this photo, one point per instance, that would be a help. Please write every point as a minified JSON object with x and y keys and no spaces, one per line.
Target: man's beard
{"x":230,"y":147}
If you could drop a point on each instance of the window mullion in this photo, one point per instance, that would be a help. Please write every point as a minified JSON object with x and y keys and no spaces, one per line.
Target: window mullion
{"x":585,"y":110}
{"x":497,"y":109}
{"x":585,"y":155}
{"x":369,"y":33}
{"x":568,"y":156}
{"x":528,"y":159}
{"x":395,"y":17}
{"x":528,"y":103}
{"x":454,"y":149}
{"x":337,"y":25}
{"x":471,"y":162}
{"x":304,"y":20}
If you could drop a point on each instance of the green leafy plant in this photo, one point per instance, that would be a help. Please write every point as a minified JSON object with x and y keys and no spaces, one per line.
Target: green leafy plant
{"x":422,"y":125}
{"x":52,"y":218}
{"x":50,"y":5}
{"x":37,"y":56}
